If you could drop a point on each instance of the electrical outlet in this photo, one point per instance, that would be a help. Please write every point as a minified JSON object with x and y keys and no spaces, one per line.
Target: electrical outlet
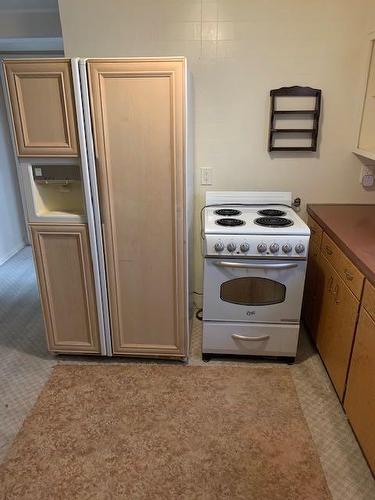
{"x":206,"y":176}
{"x":367,"y":176}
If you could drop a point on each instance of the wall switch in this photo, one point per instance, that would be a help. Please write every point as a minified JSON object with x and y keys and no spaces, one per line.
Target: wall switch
{"x":206,"y":176}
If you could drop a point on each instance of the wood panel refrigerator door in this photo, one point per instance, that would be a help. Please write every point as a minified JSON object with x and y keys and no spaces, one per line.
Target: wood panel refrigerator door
{"x":66,"y":285}
{"x":138,"y":120}
{"x":42,"y":106}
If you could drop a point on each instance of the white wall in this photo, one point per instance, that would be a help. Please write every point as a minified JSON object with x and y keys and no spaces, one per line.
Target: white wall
{"x":18,"y":19}
{"x":12,"y":224}
{"x":29,"y":18}
{"x":238,"y":50}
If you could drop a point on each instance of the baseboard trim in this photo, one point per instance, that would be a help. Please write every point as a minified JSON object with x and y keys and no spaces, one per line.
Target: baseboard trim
{"x":10,"y":254}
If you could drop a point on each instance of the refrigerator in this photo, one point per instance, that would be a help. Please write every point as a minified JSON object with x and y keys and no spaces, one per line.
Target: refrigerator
{"x":132,"y":120}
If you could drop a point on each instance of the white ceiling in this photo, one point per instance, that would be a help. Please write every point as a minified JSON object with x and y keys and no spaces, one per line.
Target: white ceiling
{"x":28,"y":5}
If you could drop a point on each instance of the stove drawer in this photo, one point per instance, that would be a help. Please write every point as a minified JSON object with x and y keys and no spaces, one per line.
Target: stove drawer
{"x":250,"y":339}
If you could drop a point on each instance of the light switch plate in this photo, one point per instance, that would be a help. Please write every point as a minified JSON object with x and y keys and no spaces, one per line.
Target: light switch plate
{"x":206,"y":176}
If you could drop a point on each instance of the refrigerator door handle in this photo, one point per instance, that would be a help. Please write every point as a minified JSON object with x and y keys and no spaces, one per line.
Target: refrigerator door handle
{"x":91,"y":202}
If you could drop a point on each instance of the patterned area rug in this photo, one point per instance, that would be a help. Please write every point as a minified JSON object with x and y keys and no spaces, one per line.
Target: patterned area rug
{"x":165,"y":432}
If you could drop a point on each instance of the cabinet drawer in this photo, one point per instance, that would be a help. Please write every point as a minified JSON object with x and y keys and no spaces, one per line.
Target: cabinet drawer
{"x":345,"y":268}
{"x":368,"y":300}
{"x":316,"y":235}
{"x":274,"y":340}
{"x":359,"y":401}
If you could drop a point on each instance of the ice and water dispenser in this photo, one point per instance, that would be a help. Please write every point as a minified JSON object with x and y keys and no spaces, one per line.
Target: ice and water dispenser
{"x":54,"y":193}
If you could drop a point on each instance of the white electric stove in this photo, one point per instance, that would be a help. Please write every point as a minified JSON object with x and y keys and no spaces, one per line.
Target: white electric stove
{"x":255,"y":248}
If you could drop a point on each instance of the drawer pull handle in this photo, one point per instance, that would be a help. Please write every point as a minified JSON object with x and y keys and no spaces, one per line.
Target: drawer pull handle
{"x":328,"y":250}
{"x":330,"y":283}
{"x":243,"y":265}
{"x":243,"y":337}
{"x":348,"y":275}
{"x":335,"y":293}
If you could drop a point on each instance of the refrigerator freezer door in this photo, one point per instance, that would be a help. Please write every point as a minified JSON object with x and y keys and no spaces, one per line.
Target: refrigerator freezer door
{"x":138,"y":112}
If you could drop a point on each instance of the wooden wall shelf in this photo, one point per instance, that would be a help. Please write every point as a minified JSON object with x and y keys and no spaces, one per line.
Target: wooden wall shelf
{"x":314,"y":113}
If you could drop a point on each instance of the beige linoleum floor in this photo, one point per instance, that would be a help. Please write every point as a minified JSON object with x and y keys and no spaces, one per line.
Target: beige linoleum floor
{"x":25,"y":366}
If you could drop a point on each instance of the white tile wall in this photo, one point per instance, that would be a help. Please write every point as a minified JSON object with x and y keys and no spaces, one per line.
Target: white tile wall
{"x":238,"y":50}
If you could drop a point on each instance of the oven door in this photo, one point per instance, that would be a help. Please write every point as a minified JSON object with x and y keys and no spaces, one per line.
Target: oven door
{"x":261,"y":291}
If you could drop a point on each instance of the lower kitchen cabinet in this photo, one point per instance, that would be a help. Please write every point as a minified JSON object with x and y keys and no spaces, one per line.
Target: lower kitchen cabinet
{"x":66,"y":283}
{"x":359,"y":401}
{"x":337,"y":318}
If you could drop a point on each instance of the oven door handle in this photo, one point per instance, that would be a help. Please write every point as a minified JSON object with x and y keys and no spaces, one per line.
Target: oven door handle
{"x":243,"y":337}
{"x":242,"y":265}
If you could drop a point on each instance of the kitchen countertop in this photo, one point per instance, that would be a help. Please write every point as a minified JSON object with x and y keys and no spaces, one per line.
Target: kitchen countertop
{"x":352,"y":228}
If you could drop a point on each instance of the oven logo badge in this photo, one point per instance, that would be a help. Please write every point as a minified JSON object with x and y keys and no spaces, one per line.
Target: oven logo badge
{"x":250,"y":313}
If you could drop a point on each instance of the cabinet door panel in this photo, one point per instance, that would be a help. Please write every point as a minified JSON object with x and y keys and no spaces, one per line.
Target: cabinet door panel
{"x":337,"y":321}
{"x":41,"y":97}
{"x":138,"y":116}
{"x":360,"y":395}
{"x":66,"y":284}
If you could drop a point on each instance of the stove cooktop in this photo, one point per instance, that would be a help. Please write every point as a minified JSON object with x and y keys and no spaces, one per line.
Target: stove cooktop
{"x":255,"y":220}
{"x":229,"y":221}
{"x":273,"y":221}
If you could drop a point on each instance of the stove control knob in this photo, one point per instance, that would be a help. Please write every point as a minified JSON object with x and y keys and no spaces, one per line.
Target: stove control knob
{"x":219,"y":246}
{"x":287,"y":248}
{"x":244,"y":247}
{"x":262,"y":247}
{"x":231,"y":247}
{"x":299,"y":248}
{"x":274,"y":248}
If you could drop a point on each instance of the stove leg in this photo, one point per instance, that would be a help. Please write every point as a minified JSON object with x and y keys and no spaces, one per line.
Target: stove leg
{"x":206,"y":357}
{"x":290,"y":360}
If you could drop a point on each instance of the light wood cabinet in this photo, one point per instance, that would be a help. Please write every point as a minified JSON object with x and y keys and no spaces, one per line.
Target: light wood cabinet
{"x":65,"y":276}
{"x":359,"y":401}
{"x":42,"y":107}
{"x":336,"y":325}
{"x":352,"y":277}
{"x":368,"y":300}
{"x":138,"y":122}
{"x":331,"y":305}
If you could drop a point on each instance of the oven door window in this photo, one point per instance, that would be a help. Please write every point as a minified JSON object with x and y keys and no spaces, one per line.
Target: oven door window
{"x":253,"y":291}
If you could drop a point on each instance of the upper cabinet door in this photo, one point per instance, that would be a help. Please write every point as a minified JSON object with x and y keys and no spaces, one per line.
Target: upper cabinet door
{"x":138,"y":116}
{"x":42,"y":105}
